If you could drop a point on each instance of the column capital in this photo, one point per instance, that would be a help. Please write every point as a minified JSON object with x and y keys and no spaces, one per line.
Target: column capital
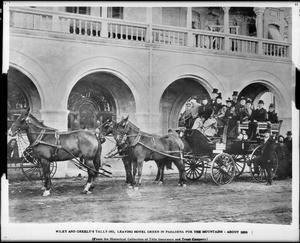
{"x":288,"y":19}
{"x":259,"y":11}
{"x":226,"y":9}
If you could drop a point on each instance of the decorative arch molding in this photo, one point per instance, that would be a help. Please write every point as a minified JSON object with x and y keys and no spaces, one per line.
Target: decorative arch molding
{"x":272,"y":82}
{"x":202,"y":75}
{"x":34,"y":72}
{"x":108,"y":65}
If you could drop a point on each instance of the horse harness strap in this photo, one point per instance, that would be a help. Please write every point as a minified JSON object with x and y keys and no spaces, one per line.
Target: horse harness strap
{"x":39,"y":138}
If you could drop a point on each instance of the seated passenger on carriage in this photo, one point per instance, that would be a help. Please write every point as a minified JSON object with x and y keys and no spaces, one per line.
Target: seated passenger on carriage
{"x":243,"y":135}
{"x":193,"y":112}
{"x":272,"y":115}
{"x":186,"y":115}
{"x":231,"y":118}
{"x":245,"y":114}
{"x":214,"y":96}
{"x":235,"y":98}
{"x":241,"y":106}
{"x":258,"y":115}
{"x":204,"y":112}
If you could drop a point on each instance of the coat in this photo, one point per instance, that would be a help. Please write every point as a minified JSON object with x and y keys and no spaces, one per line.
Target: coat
{"x":205,"y":111}
{"x":259,"y":115}
{"x":267,"y":150}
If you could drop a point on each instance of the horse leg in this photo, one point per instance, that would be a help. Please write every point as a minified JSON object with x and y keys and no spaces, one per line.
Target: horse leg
{"x":140,"y":164}
{"x":182,"y":174}
{"x":134,"y":170}
{"x":128,"y":166}
{"x":91,"y":177}
{"x":46,"y":172}
{"x":158,"y":171}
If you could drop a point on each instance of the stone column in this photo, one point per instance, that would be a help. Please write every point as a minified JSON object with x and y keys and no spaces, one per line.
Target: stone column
{"x":190,"y":41}
{"x":55,"y":20}
{"x":226,"y":28}
{"x":259,"y":27}
{"x":104,"y":29}
{"x":149,"y":22}
{"x":288,"y":19}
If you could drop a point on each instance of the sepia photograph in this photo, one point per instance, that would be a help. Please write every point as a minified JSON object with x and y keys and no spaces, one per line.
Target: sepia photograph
{"x":151,"y":121}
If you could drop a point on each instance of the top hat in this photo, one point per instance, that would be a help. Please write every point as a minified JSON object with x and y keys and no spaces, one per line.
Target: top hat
{"x":219,"y":96}
{"x":215,"y":91}
{"x":289,"y":133}
{"x":261,"y":102}
{"x":235,"y":93}
{"x":271,"y":105}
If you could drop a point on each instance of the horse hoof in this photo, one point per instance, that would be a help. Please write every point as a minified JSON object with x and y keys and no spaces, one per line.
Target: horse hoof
{"x":184,"y":185}
{"x":88,"y":192}
{"x":179,"y":184}
{"x":129,"y":186}
{"x":46,"y":193}
{"x":43,"y":188}
{"x":136,"y":188}
{"x":159,"y":182}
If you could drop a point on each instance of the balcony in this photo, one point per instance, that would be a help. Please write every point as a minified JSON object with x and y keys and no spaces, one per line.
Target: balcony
{"x":105,"y":28}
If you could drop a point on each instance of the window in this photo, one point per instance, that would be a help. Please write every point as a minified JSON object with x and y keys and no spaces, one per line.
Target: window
{"x":79,"y":10}
{"x":115,"y":12}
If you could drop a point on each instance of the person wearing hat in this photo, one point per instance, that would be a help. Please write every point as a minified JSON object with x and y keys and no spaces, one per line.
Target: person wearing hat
{"x":235,"y":98}
{"x":266,"y":159}
{"x":204,"y":112}
{"x":214,"y":95}
{"x":231,"y":118}
{"x":258,"y":115}
{"x":288,"y":141}
{"x":240,"y":108}
{"x":272,"y":115}
{"x":217,"y":106}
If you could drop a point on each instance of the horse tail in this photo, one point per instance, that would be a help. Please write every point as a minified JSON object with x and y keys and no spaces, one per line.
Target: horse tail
{"x":97,"y":158}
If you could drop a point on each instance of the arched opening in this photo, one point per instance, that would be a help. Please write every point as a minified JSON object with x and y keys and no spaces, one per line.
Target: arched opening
{"x":21,"y":94}
{"x":174,"y":98}
{"x":97,"y":97}
{"x":257,"y":91}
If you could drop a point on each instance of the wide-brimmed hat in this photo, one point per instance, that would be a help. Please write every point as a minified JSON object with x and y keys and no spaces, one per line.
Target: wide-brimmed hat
{"x":261,"y":102}
{"x":235,"y":93}
{"x":215,"y":91}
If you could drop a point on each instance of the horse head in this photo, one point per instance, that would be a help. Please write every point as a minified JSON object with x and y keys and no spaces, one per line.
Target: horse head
{"x":20,"y":124}
{"x":121,"y":130}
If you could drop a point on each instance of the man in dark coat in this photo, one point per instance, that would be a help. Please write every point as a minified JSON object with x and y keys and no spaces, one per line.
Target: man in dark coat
{"x":289,"y":149}
{"x":213,"y":99}
{"x":266,"y":159}
{"x":205,"y":110}
{"x":258,"y":115}
{"x":235,"y":98}
{"x":272,"y":115}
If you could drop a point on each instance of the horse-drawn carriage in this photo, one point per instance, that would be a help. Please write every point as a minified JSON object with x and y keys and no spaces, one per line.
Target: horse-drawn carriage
{"x":226,"y":157}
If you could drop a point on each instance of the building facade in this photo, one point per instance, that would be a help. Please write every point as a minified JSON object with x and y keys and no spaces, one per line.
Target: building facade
{"x":76,"y":66}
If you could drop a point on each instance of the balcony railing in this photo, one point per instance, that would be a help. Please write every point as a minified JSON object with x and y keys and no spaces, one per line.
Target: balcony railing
{"x":97,"y":27}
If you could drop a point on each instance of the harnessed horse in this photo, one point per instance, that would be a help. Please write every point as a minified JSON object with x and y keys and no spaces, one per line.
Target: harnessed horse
{"x":145,"y":147}
{"x":49,"y":145}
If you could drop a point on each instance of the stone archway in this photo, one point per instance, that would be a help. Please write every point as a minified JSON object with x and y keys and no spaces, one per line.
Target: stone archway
{"x":97,"y":97}
{"x":175,"y":96}
{"x":21,"y":94}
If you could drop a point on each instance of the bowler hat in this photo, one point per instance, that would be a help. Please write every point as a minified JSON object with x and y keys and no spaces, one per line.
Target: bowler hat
{"x":261,"y":102}
{"x":242,"y":98}
{"x":271,"y":105}
{"x":289,"y":133}
{"x":235,"y":93}
{"x":229,"y":100}
{"x":219,"y":97}
{"x":215,"y":91}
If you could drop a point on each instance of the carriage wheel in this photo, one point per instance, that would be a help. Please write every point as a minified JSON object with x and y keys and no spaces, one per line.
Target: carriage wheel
{"x":53,"y":168}
{"x":240,"y":164}
{"x":32,"y":169}
{"x":194,"y":168}
{"x":223,"y":169}
{"x":262,"y":173}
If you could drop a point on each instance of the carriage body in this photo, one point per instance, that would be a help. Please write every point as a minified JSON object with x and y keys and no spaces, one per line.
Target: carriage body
{"x":232,"y":154}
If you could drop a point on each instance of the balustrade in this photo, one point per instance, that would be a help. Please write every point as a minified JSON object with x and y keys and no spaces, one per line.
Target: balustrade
{"x":74,"y":24}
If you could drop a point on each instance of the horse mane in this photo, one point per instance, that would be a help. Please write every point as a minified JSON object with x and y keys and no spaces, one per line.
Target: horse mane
{"x":134,"y":127}
{"x":40,"y":124}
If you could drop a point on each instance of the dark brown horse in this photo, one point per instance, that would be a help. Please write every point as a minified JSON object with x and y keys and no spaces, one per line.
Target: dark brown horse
{"x":49,"y":145}
{"x":144,"y":147}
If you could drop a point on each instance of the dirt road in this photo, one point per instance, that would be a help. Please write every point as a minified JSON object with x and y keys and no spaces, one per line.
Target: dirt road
{"x":243,"y":200}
